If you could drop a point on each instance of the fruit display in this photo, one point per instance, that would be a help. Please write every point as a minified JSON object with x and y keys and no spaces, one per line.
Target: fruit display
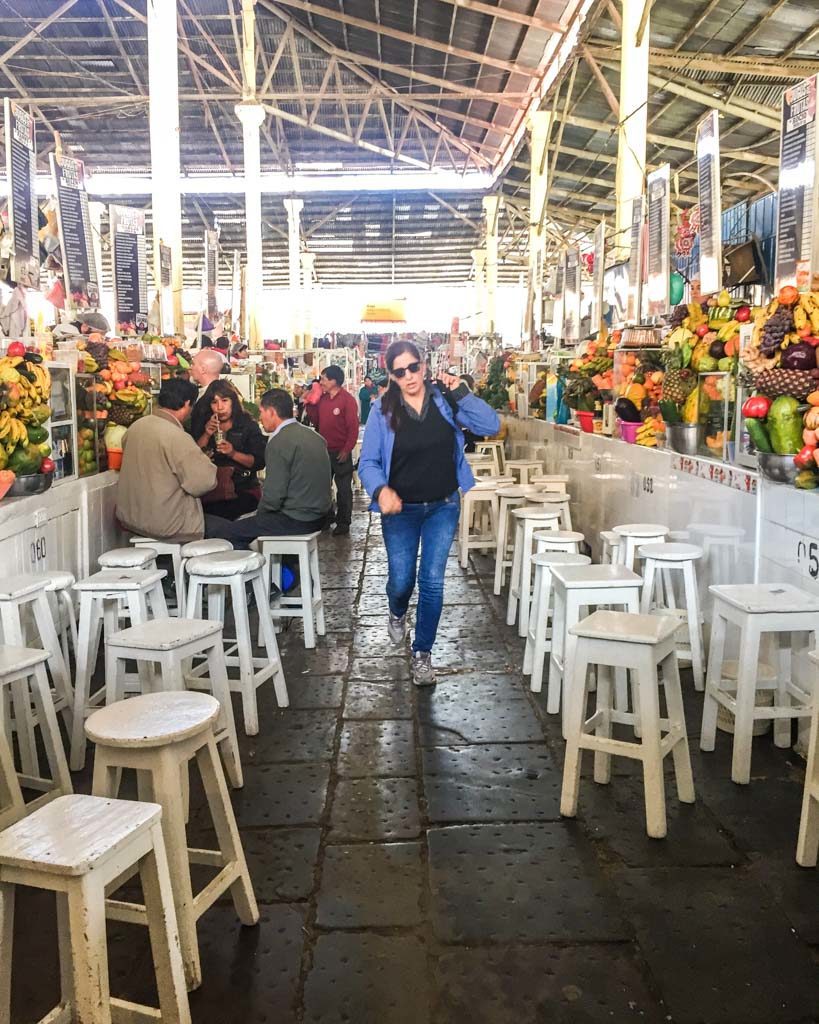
{"x":648,"y":430}
{"x":595,"y":361}
{"x":25,"y":389}
{"x":638,"y":375}
{"x":128,"y":405}
{"x":786,"y":335}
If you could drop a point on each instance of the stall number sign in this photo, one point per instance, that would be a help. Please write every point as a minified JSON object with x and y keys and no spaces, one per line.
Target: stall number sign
{"x":38,"y":551}
{"x":807,"y":555}
{"x":641,"y":484}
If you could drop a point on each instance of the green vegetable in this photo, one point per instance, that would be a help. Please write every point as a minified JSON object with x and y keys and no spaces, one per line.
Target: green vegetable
{"x":807,"y":480}
{"x":686,"y":354}
{"x":784,"y":424}
{"x":670,"y":412}
{"x":759,"y":435}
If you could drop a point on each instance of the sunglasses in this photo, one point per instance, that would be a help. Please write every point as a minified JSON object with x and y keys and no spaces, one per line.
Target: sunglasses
{"x":401,"y":373}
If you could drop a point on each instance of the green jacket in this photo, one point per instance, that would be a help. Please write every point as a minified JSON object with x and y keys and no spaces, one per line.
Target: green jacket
{"x":297,"y":474}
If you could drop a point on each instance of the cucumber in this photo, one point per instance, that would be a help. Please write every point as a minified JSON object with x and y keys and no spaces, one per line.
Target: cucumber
{"x":759,"y":435}
{"x":670,"y":412}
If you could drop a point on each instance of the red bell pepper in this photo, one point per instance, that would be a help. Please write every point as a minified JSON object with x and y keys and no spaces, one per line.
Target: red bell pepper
{"x":806,"y":457}
{"x":756,"y":407}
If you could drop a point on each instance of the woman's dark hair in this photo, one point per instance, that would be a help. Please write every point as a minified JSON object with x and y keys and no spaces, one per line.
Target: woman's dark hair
{"x":391,"y":406}
{"x":175,"y":392}
{"x":202,"y":411}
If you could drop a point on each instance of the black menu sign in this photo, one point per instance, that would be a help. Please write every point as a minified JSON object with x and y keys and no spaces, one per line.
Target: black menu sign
{"x":571,"y":296}
{"x":659,"y":230}
{"x":79,"y":262}
{"x":560,"y":284}
{"x":22,"y":195}
{"x":710,"y":204}
{"x":211,"y":271}
{"x":597,"y":276}
{"x":164,"y":266}
{"x":635,"y":263}
{"x":130,"y":269}
{"x":797,"y":241}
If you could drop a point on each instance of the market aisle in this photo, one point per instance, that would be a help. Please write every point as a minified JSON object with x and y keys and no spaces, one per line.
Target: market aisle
{"x":412,"y":867}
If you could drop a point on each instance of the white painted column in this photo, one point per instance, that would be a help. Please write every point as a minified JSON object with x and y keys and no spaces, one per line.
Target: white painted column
{"x":163,"y":110}
{"x":294,"y":208}
{"x":252,"y":116}
{"x":308,"y":263}
{"x":491,"y":209}
{"x":631,"y":149}
{"x":539,"y":125}
{"x":479,"y":267}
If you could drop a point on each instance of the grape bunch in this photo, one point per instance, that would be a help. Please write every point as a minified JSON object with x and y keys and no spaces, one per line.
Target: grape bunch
{"x":678,"y":314}
{"x":774,"y":330}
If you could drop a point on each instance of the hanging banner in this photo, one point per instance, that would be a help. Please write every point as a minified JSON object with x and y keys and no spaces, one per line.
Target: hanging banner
{"x":710,"y":194}
{"x":166,"y":287}
{"x":393,"y":311}
{"x":659,"y":240}
{"x":797,"y":229}
{"x":76,"y":238}
{"x":634,"y":308}
{"x":211,"y":272}
{"x":236,"y":294}
{"x":598,"y":270}
{"x":130,"y":271}
{"x":571,"y":295}
{"x":560,"y":283}
{"x":22,"y":195}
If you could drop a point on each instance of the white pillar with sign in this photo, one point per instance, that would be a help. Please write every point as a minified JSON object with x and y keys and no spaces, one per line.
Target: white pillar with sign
{"x":252,"y":116}
{"x":479,"y":270}
{"x":631,"y":148}
{"x":308,"y":265}
{"x":539,"y":125}
{"x":491,"y":209}
{"x":294,"y":208}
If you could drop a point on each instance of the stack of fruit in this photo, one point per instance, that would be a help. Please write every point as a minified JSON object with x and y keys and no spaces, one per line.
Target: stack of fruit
{"x":596,"y":361}
{"x":25,"y":389}
{"x":128,"y":404}
{"x":782,"y":353}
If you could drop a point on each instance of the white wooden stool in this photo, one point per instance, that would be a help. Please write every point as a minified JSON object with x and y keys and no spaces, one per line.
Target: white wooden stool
{"x":174,"y":552}
{"x":128,"y":558}
{"x":642,"y":644}
{"x":60,"y":584}
{"x":22,"y":670}
{"x":495,"y":450}
{"x":610,"y":547}
{"x":228,"y":573}
{"x":195,"y":548}
{"x":508,"y":498}
{"x":671,"y":559}
{"x":807,"y":845}
{"x":756,"y":609}
{"x":103,"y":598}
{"x":528,"y":521}
{"x":635,"y":535}
{"x":555,"y":501}
{"x":75,"y":847}
{"x":558,"y":540}
{"x":483,"y":493}
{"x":523,"y":469}
{"x":550,"y":481}
{"x":721,"y":545}
{"x":172,"y":643}
{"x":308,"y":604}
{"x":538,"y":636}
{"x":158,"y":735}
{"x":481,"y":465}
{"x":585,"y":586}
{"x":20,"y":597}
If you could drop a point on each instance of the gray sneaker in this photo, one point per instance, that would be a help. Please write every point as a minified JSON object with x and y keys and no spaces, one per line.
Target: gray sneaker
{"x":397,"y":628}
{"x":423,"y":674}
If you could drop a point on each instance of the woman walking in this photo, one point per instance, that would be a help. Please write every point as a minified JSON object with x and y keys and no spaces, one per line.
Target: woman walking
{"x":412,"y":465}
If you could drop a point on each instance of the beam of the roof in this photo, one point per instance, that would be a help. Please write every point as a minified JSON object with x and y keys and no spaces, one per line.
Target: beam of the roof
{"x":36,"y":31}
{"x":504,"y":14}
{"x":597,"y":71}
{"x":407,"y":37}
{"x":695,"y":23}
{"x":109,"y":21}
{"x":758,"y":67}
{"x":755,"y":27}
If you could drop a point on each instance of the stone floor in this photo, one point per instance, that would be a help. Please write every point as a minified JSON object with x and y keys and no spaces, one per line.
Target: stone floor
{"x":411,"y":865}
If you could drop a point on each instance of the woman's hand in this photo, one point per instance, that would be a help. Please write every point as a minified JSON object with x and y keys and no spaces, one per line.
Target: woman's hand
{"x":389,"y":502}
{"x":212,"y":426}
{"x":226,"y":448}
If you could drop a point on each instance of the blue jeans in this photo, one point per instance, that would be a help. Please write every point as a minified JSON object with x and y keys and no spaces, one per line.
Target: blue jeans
{"x":431,"y":526}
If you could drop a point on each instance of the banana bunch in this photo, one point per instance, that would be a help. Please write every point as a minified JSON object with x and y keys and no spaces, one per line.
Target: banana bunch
{"x":806,"y":314}
{"x":647,"y":433}
{"x":12,"y":431}
{"x":695,"y":316}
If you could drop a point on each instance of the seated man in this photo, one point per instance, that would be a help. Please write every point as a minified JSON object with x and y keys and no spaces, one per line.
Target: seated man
{"x":296,"y":490}
{"x":164,"y":472}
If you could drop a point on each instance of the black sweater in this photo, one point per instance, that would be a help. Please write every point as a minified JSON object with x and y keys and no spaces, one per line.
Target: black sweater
{"x":423,"y":459}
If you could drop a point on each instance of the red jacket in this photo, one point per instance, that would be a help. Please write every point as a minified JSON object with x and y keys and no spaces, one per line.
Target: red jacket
{"x":337,"y":421}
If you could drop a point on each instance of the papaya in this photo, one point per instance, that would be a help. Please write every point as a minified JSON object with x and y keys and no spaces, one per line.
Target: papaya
{"x":36,"y":433}
{"x":25,"y":460}
{"x":691,"y":409}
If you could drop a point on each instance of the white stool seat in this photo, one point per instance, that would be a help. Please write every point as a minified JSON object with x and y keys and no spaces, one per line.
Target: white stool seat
{"x":522,"y":463}
{"x":670,"y":552}
{"x":127,"y":558}
{"x":765,"y":598}
{"x":578,"y":577}
{"x":115,"y":580}
{"x":58,"y":581}
{"x":225,"y":563}
{"x":560,"y":558}
{"x":12,"y":587}
{"x":547,"y":497}
{"x":558,"y":537}
{"x":640,"y":530}
{"x":18,"y":659}
{"x":531,"y":512}
{"x":514,"y":491}
{"x":153,"y":719}
{"x":208,"y":546}
{"x":164,"y":634}
{"x":629,"y":629}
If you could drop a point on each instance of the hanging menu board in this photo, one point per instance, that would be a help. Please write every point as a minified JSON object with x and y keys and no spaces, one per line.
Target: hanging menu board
{"x":22,"y":195}
{"x":235,"y":294}
{"x":560,"y":280}
{"x":635,"y":263}
{"x":76,"y":238}
{"x":597,"y":276}
{"x":571,"y":296}
{"x":165,"y":271}
{"x":166,"y":288}
{"x":130,"y":269}
{"x":211,"y":271}
{"x":710,"y":196}
{"x":659,"y":240}
{"x":797,"y":230}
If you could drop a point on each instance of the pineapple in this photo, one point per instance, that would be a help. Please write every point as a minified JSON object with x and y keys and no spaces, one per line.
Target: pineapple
{"x":776,"y":382}
{"x":678,"y":385}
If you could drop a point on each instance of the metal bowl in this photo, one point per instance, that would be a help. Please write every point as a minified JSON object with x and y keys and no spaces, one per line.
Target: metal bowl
{"x":33,"y":483}
{"x":781,"y":469}
{"x":684,"y":438}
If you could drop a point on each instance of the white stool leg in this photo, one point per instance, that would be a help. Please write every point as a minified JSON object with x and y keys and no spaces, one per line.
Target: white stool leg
{"x":220,"y":688}
{"x":572,"y":610}
{"x":746,"y":699}
{"x":575,"y":697}
{"x":692,"y":605}
{"x":179,"y":581}
{"x":12,"y":806}
{"x":247,"y":683}
{"x":807,"y":845}
{"x":307,"y":599}
{"x":13,"y":634}
{"x":318,"y":597}
{"x":514,"y":578}
{"x":533,"y":618}
{"x":602,"y":759}
{"x":541,"y":644}
{"x":88,"y":621}
{"x":676,"y":720}
{"x":500,"y":549}
{"x":558,"y":648}
{"x":272,"y":648}
{"x":648,"y":586}
{"x":525,"y":595}
{"x":50,"y":731}
{"x":782,"y":699}
{"x":463,"y":541}
{"x":713,"y":682}
{"x":653,"y":783}
{"x":89,"y":951}
{"x":6,"y":944}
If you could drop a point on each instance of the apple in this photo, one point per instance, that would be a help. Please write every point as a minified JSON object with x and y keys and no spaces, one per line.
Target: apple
{"x":743,"y":314}
{"x":172,"y":361}
{"x":47,"y":466}
{"x":16,"y":348}
{"x":702,"y":330}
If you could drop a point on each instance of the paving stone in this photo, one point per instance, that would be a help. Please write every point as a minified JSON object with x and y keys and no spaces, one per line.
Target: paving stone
{"x":376,"y":748}
{"x":464,"y":591}
{"x":472,"y":720}
{"x":615,"y":815}
{"x":491,"y":783}
{"x":519,"y":883}
{"x":793,"y":888}
{"x":291,"y":735}
{"x":762,"y":817}
{"x":367,"y":979}
{"x":370,"y":886}
{"x":533,"y":985}
{"x":378,"y":700}
{"x":329,"y":659}
{"x":717,"y":947}
{"x":307,"y":691}
{"x":381,"y":669}
{"x":372,"y":640}
{"x":493,"y":688}
{"x":282,"y":794}
{"x":466,"y":655}
{"x":281,"y":862}
{"x":375,"y":809}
